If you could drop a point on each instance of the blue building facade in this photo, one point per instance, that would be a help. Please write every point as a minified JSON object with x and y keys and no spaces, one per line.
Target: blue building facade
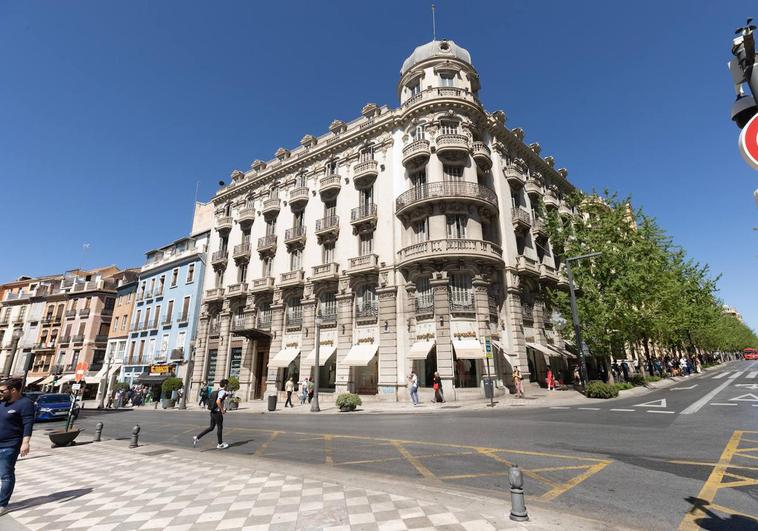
{"x":166,"y":311}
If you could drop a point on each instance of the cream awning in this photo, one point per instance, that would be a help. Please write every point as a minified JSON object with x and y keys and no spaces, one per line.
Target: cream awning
{"x":360,"y":355}
{"x":65,"y":378}
{"x":284,"y":357}
{"x":420,"y":350}
{"x":468,"y":349}
{"x":562,"y":352}
{"x":324,"y":354}
{"x":35,"y":381}
{"x":47,"y":380}
{"x":497,"y":344}
{"x":545,"y":350}
{"x":103,"y":373}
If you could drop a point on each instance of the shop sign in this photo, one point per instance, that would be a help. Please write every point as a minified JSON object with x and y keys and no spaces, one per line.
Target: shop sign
{"x":160,"y":369}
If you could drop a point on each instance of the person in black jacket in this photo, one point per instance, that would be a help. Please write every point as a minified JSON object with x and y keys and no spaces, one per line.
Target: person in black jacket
{"x":16,"y":421}
{"x":439,"y":395}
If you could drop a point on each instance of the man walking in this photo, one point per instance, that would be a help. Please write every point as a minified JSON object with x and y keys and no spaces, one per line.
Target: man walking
{"x":289,"y":387}
{"x":216,"y":406}
{"x":16,"y":421}
{"x":413,"y":381}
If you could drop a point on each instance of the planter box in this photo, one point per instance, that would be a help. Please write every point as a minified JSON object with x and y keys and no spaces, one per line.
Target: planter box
{"x":63,"y":438}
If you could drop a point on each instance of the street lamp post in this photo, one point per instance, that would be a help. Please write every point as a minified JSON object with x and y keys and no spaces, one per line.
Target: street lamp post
{"x":314,"y":402}
{"x":575,"y":315}
{"x":104,"y":392}
{"x":187,"y":374}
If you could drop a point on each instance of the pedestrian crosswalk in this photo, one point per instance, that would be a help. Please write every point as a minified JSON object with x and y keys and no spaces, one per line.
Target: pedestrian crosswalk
{"x":731,"y":375}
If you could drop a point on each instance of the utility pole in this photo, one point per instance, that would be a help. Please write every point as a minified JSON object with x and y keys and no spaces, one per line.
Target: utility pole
{"x":575,"y":315}
{"x":317,"y":369}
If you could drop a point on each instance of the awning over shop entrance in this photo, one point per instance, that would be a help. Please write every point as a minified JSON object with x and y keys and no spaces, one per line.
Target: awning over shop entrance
{"x":468,"y":349}
{"x":65,"y":378}
{"x":47,"y":381}
{"x":545,"y":350}
{"x":34,"y":381}
{"x":561,"y":352}
{"x":103,"y":373}
{"x":420,"y":350}
{"x":152,"y":379}
{"x":360,"y":355}
{"x":498,"y":345}
{"x":284,"y":357}
{"x":324,"y":354}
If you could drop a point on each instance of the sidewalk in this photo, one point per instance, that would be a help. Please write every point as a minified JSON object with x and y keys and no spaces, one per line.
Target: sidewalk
{"x":105,"y":486}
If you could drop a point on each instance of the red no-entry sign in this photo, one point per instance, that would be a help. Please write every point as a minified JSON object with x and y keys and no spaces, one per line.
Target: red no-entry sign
{"x":749,"y":142}
{"x":81,"y":369}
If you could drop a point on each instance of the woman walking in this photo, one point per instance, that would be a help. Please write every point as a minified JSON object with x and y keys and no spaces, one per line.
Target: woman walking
{"x":413,"y":381}
{"x":289,"y":387}
{"x":550,"y":380}
{"x":517,"y":382}
{"x":439,"y":396}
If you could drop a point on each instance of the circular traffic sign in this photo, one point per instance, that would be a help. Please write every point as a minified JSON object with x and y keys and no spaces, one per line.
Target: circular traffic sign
{"x":749,"y":142}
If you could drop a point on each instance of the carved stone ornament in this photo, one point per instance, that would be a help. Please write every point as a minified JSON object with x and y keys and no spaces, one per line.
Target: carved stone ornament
{"x":237,"y":175}
{"x":308,"y":141}
{"x":337,"y":127}
{"x":563,"y":172}
{"x":499,"y":118}
{"x":519,"y":133}
{"x":282,"y":153}
{"x":535,"y":146}
{"x":369,"y":110}
{"x":550,"y":161}
{"x":258,"y":165}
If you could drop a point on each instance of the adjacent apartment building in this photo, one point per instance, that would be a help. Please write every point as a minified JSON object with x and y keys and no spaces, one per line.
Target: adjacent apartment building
{"x":415,"y":236}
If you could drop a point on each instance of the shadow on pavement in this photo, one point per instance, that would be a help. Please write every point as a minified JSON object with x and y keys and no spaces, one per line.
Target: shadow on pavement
{"x":240,"y":443}
{"x":62,"y":496}
{"x":713,"y":522}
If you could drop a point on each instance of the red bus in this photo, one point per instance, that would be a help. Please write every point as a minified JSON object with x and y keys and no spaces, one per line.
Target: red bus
{"x":750,"y":354}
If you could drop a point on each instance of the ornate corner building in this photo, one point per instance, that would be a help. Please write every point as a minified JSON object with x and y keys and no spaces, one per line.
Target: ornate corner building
{"x":412,"y":235}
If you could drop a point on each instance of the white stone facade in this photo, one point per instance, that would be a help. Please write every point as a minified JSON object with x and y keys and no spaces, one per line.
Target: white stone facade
{"x":417,"y":233}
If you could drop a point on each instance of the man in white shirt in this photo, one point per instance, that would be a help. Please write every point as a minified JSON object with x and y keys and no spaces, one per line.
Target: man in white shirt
{"x":216,"y":406}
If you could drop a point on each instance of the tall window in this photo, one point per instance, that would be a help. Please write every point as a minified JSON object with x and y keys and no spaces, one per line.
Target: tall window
{"x":141,"y":352}
{"x":297,"y":219}
{"x":131,"y":352}
{"x":169,"y":312}
{"x":147,"y":317}
{"x":242,"y":272}
{"x":300,"y":180}
{"x":138,"y":319}
{"x":332,"y":167}
{"x":421,"y":230}
{"x":424,"y":293}
{"x":367,"y":153}
{"x":419,"y":132}
{"x":151,"y":348}
{"x":270,"y":227}
{"x":190,"y":273}
{"x":418,"y":178}
{"x":294,"y":311}
{"x":456,"y":225}
{"x":180,"y":339}
{"x":330,"y":208}
{"x":219,"y":278}
{"x":447,"y":79}
{"x":461,"y":290}
{"x":296,"y":259}
{"x":365,"y":299}
{"x":449,"y":128}
{"x":174,"y":277}
{"x":157,"y":316}
{"x":266,"y":266}
{"x":328,"y":253}
{"x":452,"y":173}
{"x":164,"y":344}
{"x":415,"y":87}
{"x":367,"y":196}
{"x":366,"y":243}
{"x":327,"y":305}
{"x":185,"y":308}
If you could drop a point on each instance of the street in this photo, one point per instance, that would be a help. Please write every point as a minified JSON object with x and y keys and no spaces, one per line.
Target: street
{"x":642,"y":462}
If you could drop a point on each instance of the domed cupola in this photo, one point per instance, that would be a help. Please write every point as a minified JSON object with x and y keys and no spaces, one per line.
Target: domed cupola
{"x":437,"y":64}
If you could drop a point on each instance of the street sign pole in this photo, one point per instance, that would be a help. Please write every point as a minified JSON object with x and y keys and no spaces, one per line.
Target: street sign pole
{"x":316,"y":370}
{"x":488,"y":357}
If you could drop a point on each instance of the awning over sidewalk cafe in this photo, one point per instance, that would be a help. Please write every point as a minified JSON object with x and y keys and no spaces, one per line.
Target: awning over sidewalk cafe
{"x":324,"y":354}
{"x":360,"y":355}
{"x":468,"y":349}
{"x":284,"y":357}
{"x":420,"y":350}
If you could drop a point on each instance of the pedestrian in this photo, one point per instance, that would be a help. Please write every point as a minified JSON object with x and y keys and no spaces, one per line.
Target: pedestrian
{"x":550,"y":380}
{"x":577,"y":376}
{"x":303,"y":391}
{"x":413,"y":382}
{"x":203,"y":402}
{"x":216,"y":407}
{"x":439,"y":395}
{"x":111,"y":395}
{"x":311,"y":390}
{"x":16,"y":421}
{"x":517,"y":383}
{"x":615,"y":369}
{"x":289,"y":387}
{"x":625,"y":370}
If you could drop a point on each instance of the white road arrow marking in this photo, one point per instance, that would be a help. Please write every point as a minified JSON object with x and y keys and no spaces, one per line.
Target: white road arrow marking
{"x":683,"y":388}
{"x":750,"y":397}
{"x":653,"y":403}
{"x":696,"y":406}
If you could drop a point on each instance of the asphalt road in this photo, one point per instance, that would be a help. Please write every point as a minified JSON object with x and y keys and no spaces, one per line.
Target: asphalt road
{"x":643,"y":461}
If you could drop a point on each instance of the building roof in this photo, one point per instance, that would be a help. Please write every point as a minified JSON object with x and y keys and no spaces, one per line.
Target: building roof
{"x":430,"y":50}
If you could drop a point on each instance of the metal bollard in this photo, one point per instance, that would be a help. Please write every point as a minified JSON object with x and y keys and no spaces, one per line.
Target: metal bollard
{"x":518,"y":505}
{"x":135,"y":437}
{"x":98,"y":431}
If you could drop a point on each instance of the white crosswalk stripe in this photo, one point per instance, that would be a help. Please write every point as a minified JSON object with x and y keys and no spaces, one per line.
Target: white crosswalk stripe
{"x":721,"y":375}
{"x":736,"y":375}
{"x":752,"y":374}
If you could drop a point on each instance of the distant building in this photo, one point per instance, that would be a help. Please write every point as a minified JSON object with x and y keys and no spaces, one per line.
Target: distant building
{"x":733,"y":312}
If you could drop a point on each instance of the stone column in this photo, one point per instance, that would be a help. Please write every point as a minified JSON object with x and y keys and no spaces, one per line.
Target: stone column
{"x":481,"y":305}
{"x":515,"y":321}
{"x":277,"y":332}
{"x":246,"y":368}
{"x":309,"y":339}
{"x":225,"y":325}
{"x":388,"y":351}
{"x":199,"y":371}
{"x":343,"y":380}
{"x":410,"y":289}
{"x":444,"y":342}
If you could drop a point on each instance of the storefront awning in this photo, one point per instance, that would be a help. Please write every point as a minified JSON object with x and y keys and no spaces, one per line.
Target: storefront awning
{"x":65,"y":378}
{"x":420,"y":350}
{"x":283,"y":358}
{"x":545,"y":350}
{"x":360,"y":355}
{"x":498,"y":345}
{"x":48,"y":380}
{"x":468,"y":349}
{"x":324,"y":353}
{"x":34,"y":381}
{"x":562,"y":352}
{"x":151,"y":379}
{"x":103,"y":373}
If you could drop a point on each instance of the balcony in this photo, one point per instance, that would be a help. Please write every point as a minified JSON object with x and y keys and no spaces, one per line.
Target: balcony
{"x":527,"y":266}
{"x":424,"y":306}
{"x":441,"y":93}
{"x":514,"y":177}
{"x":328,"y":316}
{"x":84,"y":313}
{"x":327,"y":229}
{"x":65,"y":340}
{"x":241,"y":252}
{"x":104,"y":338}
{"x":367,"y":310}
{"x":539,"y":227}
{"x":261,"y":284}
{"x":78,"y":339}
{"x":295,"y":236}
{"x":148,"y":294}
{"x":5,"y":320}
{"x":167,"y":320}
{"x":563,"y":283}
{"x":548,"y":274}
{"x":263,"y":320}
{"x":482,"y":155}
{"x":246,"y":216}
{"x":325,"y":272}
{"x":271,"y":206}
{"x":158,"y":292}
{"x":426,"y":194}
{"x":416,"y":153}
{"x":564,"y":210}
{"x":462,"y":304}
{"x":550,"y":199}
{"x":214,"y":295}
{"x":329,"y":185}
{"x":533,"y":186}
{"x":295,"y":317}
{"x":267,"y":244}
{"x":292,"y":278}
{"x":452,"y":145}
{"x":237,"y":290}
{"x":521,"y":219}
{"x":240,"y":323}
{"x":363,"y":264}
{"x":220,"y":258}
{"x":224,"y":224}
{"x":364,"y":173}
{"x":45,"y":320}
{"x":298,"y":197}
{"x":478,"y":251}
{"x":364,"y":217}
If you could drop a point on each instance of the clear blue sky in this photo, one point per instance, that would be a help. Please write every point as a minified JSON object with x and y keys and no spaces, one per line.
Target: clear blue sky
{"x":110,"y":112}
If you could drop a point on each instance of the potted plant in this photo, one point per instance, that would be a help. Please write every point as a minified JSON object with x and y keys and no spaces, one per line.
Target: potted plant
{"x":169,"y":387}
{"x":231,"y":387}
{"x":234,"y":403}
{"x":348,"y":401}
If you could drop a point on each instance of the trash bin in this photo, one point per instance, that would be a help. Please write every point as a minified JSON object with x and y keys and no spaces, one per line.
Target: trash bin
{"x":272,"y":402}
{"x":489,"y":390}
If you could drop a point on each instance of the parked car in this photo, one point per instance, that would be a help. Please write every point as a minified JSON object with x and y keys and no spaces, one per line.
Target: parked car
{"x":53,"y":406}
{"x":33,"y":395}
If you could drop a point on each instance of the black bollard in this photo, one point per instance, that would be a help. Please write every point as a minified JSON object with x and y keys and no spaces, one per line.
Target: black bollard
{"x":98,"y":431}
{"x":518,"y":504}
{"x":135,"y":437}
